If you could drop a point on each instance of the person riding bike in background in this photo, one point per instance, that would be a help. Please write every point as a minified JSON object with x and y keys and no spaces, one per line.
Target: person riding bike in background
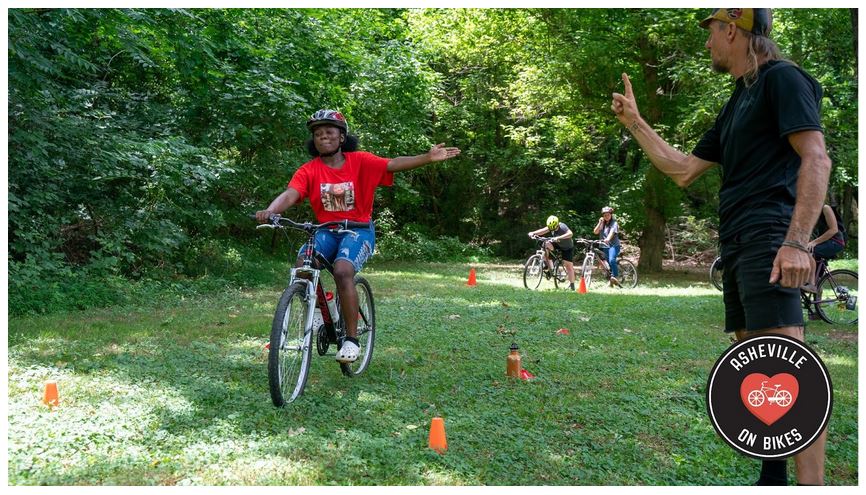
{"x":562,"y":242}
{"x":828,"y":242}
{"x":340,"y":183}
{"x":607,"y":230}
{"x":829,"y":236}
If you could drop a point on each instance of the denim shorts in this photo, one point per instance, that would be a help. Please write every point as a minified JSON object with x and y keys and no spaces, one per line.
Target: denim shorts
{"x":355,"y":246}
{"x":751,"y":301}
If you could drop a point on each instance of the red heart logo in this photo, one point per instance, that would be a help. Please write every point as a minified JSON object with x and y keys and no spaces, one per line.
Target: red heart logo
{"x":769,"y":398}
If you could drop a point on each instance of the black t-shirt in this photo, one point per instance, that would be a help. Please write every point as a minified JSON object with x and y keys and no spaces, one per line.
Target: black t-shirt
{"x":750,"y":141}
{"x":564,"y":243}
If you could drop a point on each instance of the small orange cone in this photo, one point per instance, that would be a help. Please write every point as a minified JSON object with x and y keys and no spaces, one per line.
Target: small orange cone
{"x":562,"y":331}
{"x":437,"y":435}
{"x":525,"y":375}
{"x":582,"y":288}
{"x":51,"y":398}
{"x":471,"y":282}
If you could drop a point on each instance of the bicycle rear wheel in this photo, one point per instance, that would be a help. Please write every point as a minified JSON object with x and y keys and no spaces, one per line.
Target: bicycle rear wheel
{"x":560,"y":276}
{"x":627,"y":274}
{"x":836,"y":299}
{"x":366,"y":329}
{"x":533,"y":272}
{"x":717,"y":271}
{"x":290,"y":348}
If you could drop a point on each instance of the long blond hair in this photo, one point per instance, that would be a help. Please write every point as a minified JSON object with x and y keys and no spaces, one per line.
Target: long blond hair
{"x":761,"y":50}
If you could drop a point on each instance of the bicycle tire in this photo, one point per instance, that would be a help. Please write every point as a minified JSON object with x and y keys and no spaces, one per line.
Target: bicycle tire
{"x":560,"y":276}
{"x":533,"y":272}
{"x":290,"y":348}
{"x":366,"y":329}
{"x":717,"y":271}
{"x":627,"y":274}
{"x":831,"y":302}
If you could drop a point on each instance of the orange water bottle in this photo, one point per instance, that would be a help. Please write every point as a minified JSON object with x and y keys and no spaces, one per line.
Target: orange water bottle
{"x":512,"y":367}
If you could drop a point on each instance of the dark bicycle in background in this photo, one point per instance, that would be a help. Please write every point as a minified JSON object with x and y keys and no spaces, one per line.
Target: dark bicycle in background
{"x":303,"y":312}
{"x":835,"y":297}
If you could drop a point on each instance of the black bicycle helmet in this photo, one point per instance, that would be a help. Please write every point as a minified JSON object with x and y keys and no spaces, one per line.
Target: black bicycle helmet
{"x":328,"y":117}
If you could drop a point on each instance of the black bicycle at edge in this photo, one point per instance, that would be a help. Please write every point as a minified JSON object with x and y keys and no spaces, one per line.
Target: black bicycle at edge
{"x":834,"y":299}
{"x":303,"y":313}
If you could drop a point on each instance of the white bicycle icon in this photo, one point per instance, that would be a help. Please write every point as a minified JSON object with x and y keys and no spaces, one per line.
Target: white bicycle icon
{"x":781,"y":398}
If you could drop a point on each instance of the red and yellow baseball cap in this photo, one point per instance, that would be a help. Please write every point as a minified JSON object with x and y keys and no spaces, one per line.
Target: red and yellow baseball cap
{"x":755,"y":21}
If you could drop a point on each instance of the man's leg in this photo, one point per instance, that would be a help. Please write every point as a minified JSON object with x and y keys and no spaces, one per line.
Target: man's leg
{"x":548,"y":247}
{"x":569,"y":269}
{"x":810,"y":462}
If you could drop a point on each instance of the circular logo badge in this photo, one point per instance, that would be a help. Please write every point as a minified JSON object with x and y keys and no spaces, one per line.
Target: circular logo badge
{"x":769,"y":396}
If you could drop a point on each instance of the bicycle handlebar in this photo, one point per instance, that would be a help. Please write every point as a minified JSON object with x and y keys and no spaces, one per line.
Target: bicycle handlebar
{"x":543,"y":239}
{"x":592,"y":242}
{"x":276,"y":222}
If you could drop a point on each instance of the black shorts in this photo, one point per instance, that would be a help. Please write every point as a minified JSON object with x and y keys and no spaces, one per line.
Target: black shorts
{"x":567,"y":254}
{"x":751,"y":302}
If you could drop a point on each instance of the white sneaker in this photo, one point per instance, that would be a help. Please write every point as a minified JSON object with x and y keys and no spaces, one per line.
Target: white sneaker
{"x":348,"y":353}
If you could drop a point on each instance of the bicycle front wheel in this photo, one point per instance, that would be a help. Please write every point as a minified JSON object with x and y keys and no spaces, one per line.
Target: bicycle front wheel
{"x":717,"y":271}
{"x":560,"y":276}
{"x":627,"y":274}
{"x":366,"y":329}
{"x":836,"y":300}
{"x":586,"y":272}
{"x":290,"y":348}
{"x":533,"y":272}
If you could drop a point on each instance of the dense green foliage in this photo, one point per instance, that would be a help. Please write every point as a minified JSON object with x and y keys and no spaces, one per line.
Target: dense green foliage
{"x":139,"y":139}
{"x":176,"y":394}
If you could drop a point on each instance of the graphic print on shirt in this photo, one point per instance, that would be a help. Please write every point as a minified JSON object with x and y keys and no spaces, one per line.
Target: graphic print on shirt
{"x":338,"y":197}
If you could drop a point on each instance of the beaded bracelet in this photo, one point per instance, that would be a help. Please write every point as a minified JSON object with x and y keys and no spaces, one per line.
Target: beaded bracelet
{"x":795,"y":245}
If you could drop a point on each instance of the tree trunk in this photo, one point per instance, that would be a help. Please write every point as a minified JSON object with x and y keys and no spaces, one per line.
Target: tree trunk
{"x":652,"y":240}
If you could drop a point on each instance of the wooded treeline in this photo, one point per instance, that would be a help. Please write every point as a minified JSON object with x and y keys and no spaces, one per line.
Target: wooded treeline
{"x":141,"y":138}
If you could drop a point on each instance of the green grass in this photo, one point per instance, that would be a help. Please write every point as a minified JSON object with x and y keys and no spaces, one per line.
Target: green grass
{"x":176,"y":392}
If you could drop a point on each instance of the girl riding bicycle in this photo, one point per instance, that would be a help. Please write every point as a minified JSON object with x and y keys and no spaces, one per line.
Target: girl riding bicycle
{"x":340,"y":183}
{"x":607,"y":229}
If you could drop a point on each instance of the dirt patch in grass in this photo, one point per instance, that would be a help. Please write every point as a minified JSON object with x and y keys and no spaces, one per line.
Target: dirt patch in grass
{"x":843,"y":336}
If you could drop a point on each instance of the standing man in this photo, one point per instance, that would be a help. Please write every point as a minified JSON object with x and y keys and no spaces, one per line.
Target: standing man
{"x":769,"y":142}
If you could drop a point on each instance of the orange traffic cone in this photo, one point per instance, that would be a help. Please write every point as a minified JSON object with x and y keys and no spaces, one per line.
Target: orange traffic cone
{"x":562,"y":331}
{"x":582,"y":288}
{"x":525,"y":375}
{"x":51,"y":398}
{"x":437,"y":435}
{"x":471,"y":282}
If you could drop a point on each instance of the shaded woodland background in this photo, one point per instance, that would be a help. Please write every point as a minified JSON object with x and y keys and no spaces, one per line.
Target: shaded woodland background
{"x":139,"y":139}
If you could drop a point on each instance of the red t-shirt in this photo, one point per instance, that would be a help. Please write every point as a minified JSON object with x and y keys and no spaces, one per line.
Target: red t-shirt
{"x":344,"y":194}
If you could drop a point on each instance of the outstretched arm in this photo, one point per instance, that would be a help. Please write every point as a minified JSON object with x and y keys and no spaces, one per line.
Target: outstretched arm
{"x":280,"y":204}
{"x":682,"y":168}
{"x":437,"y":153}
{"x":540,"y":231}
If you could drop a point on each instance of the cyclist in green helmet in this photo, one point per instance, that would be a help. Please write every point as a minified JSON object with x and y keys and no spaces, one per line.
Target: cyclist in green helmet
{"x":562,"y":242}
